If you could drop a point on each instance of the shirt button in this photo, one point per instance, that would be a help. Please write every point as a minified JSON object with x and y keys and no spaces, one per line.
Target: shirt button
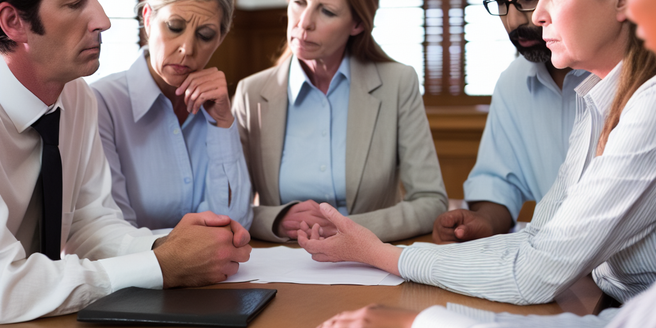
{"x":324,"y":102}
{"x":327,"y":197}
{"x":323,"y":168}
{"x":187,"y":180}
{"x":176,"y":131}
{"x":324,"y":133}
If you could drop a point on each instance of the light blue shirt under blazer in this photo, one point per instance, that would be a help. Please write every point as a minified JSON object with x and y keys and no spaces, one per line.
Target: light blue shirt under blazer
{"x":313,"y":162}
{"x":526,"y":136}
{"x":160,"y":170}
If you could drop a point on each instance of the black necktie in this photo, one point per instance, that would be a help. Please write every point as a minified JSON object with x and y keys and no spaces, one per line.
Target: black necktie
{"x":51,"y":177}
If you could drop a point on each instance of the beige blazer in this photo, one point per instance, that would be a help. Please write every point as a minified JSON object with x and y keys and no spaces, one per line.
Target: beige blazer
{"x":388,"y":141}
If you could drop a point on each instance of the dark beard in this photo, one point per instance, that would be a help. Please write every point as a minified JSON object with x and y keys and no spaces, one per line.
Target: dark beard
{"x":538,"y":53}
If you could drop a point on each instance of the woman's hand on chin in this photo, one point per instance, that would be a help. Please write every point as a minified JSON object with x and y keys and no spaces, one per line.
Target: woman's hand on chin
{"x":208,"y":87}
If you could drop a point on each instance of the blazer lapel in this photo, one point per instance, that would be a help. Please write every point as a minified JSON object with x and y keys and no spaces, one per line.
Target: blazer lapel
{"x":272,"y":112}
{"x":362,"y":115}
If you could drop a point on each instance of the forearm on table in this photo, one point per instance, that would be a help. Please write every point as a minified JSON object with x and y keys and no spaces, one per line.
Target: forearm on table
{"x":497,"y":214}
{"x":383,"y":256}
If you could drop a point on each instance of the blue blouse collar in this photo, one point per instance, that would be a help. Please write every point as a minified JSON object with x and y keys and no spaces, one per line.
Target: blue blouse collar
{"x":142,"y":87}
{"x":298,"y":78}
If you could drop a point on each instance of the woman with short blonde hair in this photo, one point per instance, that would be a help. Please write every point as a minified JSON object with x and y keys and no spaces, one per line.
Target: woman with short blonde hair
{"x":166,"y":125}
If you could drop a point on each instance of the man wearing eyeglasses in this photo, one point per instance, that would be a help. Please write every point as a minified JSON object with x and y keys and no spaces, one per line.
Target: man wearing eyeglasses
{"x":526,"y":134}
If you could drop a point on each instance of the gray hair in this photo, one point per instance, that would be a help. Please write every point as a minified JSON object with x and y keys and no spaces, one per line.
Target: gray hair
{"x":227,"y":10}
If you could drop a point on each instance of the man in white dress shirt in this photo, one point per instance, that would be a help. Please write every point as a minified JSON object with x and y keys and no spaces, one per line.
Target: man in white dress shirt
{"x":526,"y":135}
{"x":46,"y":45}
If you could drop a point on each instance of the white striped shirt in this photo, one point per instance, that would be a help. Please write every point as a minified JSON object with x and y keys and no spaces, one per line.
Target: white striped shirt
{"x":637,"y":313}
{"x":599,"y":215}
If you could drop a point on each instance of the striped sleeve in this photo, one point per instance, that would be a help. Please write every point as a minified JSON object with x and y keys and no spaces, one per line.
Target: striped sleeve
{"x":601,"y":212}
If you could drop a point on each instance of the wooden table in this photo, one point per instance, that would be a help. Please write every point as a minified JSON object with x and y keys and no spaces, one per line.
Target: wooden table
{"x":308,"y":305}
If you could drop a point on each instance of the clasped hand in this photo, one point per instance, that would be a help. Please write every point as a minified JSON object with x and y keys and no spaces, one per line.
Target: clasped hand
{"x":203,"y":249}
{"x":303,"y":216}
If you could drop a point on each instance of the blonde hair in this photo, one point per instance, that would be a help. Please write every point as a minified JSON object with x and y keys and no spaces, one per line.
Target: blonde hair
{"x":227,"y":10}
{"x":361,"y":46}
{"x":638,"y":66}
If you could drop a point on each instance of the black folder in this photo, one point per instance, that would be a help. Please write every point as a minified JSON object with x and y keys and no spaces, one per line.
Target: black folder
{"x":197,"y":307}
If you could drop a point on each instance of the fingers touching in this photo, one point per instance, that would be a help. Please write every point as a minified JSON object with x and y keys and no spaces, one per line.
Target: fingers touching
{"x":307,"y":212}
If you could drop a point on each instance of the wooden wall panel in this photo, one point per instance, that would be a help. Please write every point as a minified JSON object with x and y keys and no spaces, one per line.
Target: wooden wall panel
{"x":457,"y":132}
{"x":253,"y":42}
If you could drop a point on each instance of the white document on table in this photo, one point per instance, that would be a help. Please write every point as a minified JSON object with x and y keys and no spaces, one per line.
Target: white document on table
{"x":295,"y":265}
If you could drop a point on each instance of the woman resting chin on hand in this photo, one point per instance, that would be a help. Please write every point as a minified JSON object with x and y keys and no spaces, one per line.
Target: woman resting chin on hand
{"x":166,"y":125}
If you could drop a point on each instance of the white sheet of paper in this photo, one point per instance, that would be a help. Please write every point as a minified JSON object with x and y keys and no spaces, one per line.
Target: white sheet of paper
{"x":295,"y":265}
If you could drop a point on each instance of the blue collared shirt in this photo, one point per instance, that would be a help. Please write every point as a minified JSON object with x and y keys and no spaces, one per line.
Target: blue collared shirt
{"x":313,"y":162}
{"x":526,"y":136}
{"x":161,"y":170}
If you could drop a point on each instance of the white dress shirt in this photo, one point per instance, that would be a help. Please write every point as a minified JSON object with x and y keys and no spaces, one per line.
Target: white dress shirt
{"x":526,"y":136}
{"x":460,"y":316}
{"x":600,"y":215}
{"x":31,"y":285}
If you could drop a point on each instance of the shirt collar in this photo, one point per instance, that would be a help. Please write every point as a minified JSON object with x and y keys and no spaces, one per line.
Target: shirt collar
{"x":600,"y":92}
{"x":20,"y":104}
{"x":141,"y":86}
{"x":298,"y":78}
{"x":538,"y":73}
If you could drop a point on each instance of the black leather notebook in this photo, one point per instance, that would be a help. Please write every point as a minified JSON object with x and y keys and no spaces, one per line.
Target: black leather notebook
{"x":199,"y":307}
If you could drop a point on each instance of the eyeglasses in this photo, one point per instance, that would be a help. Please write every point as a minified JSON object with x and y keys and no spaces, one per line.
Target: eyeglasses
{"x":500,"y":7}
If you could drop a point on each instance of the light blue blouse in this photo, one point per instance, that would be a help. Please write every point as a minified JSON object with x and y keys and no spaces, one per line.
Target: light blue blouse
{"x":161,"y":170}
{"x":313,"y":162}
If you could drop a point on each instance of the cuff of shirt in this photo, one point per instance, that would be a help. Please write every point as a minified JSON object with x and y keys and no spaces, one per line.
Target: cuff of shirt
{"x":223,"y":145}
{"x":140,"y":243}
{"x":493,"y":189}
{"x":439,"y":317}
{"x":416,"y":262}
{"x":134,"y":270}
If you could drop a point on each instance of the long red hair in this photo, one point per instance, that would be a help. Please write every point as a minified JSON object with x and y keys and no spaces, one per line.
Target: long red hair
{"x":638,"y":66}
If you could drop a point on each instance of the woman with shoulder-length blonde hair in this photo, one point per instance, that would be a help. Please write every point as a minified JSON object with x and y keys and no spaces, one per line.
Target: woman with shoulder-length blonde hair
{"x":599,"y":217}
{"x":338,"y":121}
{"x":166,"y":125}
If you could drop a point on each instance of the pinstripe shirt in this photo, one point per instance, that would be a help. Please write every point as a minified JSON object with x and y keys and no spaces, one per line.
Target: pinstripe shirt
{"x":637,"y":313}
{"x":599,"y":216}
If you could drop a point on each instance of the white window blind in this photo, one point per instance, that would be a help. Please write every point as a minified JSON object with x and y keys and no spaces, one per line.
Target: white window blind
{"x":488,"y":50}
{"x":121,"y":42}
{"x":461,"y":53}
{"x":399,"y":29}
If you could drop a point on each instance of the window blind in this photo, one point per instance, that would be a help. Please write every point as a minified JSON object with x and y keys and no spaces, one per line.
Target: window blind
{"x":121,"y":42}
